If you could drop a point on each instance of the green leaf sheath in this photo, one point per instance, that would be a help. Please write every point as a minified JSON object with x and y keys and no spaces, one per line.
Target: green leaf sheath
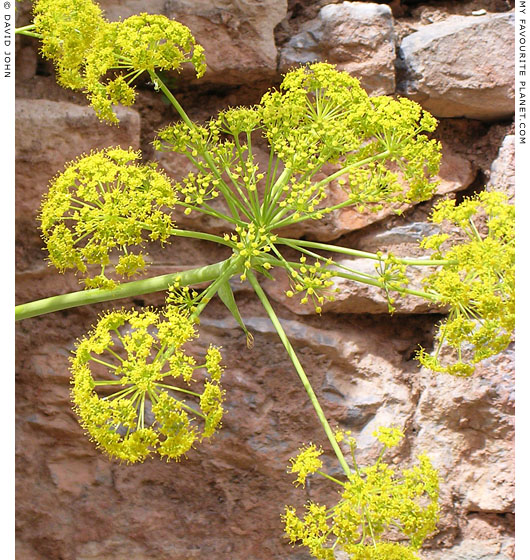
{"x":130,"y":289}
{"x":299,"y":369}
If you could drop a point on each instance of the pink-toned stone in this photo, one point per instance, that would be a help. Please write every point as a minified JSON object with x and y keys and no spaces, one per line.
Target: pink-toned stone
{"x":468,"y":427}
{"x":356,"y":36}
{"x":456,"y":172}
{"x":238,"y":37}
{"x":472,"y":549}
{"x":116,"y":10}
{"x":71,"y":130}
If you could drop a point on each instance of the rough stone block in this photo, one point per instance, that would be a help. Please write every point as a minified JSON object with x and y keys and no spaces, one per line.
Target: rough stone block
{"x":357,"y":36}
{"x":238,"y":36}
{"x":461,"y":67}
{"x":502,"y":172}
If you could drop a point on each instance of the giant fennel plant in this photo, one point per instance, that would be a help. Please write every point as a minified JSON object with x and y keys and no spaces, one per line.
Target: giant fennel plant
{"x":136,"y":390}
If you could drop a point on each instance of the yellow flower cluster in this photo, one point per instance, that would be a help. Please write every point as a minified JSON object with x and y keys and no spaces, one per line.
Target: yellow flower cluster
{"x":126,"y":48}
{"x":321,"y":115}
{"x":237,"y":120}
{"x":140,"y":43}
{"x":102,"y":203}
{"x":306,"y":462}
{"x":477,"y":284}
{"x":373,"y":500}
{"x":314,"y":117}
{"x":132,"y":385}
{"x":55,"y":20}
{"x":313,"y":281}
{"x":389,"y":437}
{"x":253,"y":244}
{"x":181,"y":138}
{"x":317,"y":116}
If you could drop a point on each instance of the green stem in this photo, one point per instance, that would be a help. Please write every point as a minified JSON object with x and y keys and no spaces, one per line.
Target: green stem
{"x":330,"y":478}
{"x":28,"y":33}
{"x":130,"y":289}
{"x":27,"y":30}
{"x":359,"y":254}
{"x":190,"y":409}
{"x":103,"y":363}
{"x":173,"y":388}
{"x":299,"y":369}
{"x":230,"y":200}
{"x":231,"y":267}
{"x":278,"y":222}
{"x":351,"y":166}
{"x":276,"y":193}
{"x":372,"y":281}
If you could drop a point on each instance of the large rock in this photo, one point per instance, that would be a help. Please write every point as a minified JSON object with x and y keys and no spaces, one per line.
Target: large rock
{"x":473,"y":549}
{"x":468,"y":426}
{"x":356,"y":36}
{"x":502,"y":172}
{"x":461,"y":67}
{"x":116,"y":10}
{"x":238,"y":37}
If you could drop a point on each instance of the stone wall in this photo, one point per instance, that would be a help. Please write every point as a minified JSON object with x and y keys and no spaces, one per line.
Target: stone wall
{"x":224,"y":501}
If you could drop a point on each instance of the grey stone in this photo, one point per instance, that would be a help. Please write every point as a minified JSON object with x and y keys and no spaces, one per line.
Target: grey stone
{"x":461,"y":67}
{"x":358,"y":37}
{"x":502,"y":173}
{"x":470,"y":549}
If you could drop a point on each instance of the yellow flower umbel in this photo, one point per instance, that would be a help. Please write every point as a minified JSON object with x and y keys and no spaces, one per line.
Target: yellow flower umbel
{"x":478,"y":283}
{"x":141,"y":43}
{"x":85,"y":47}
{"x":311,"y":281}
{"x":134,"y":388}
{"x":320,"y":115}
{"x":306,"y":462}
{"x":68,"y":29}
{"x":373,"y":500}
{"x":103,"y":203}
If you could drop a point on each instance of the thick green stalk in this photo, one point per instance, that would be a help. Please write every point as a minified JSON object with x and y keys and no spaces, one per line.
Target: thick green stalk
{"x":130,"y":289}
{"x":231,"y":266}
{"x":299,"y":369}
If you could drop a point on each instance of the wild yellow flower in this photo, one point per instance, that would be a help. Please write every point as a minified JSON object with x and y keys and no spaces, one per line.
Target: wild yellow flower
{"x":105,"y":203}
{"x":373,"y":500}
{"x":478,"y":283}
{"x":306,"y":462}
{"x":68,"y":29}
{"x":140,"y":43}
{"x":132,"y":385}
{"x":85,"y":47}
